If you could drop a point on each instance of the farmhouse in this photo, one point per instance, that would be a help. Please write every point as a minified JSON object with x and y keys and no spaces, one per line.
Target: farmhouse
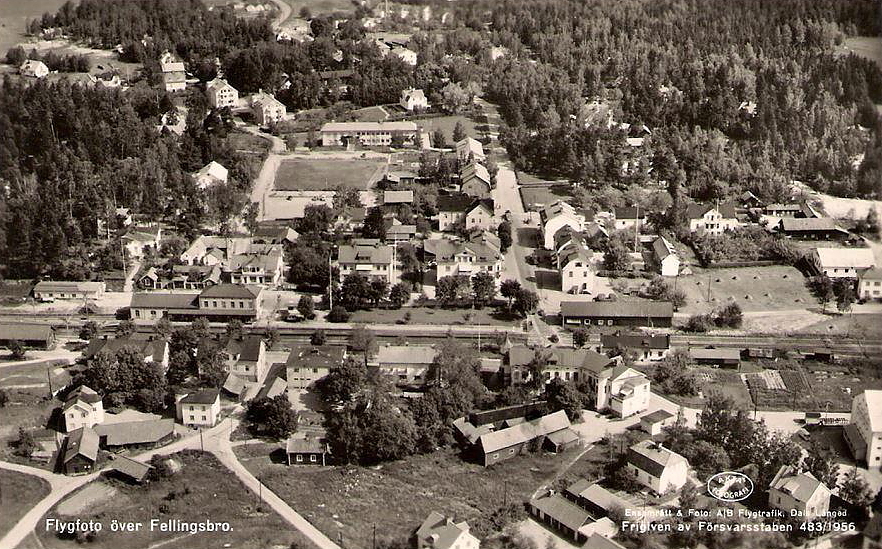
{"x":199,"y":409}
{"x":56,"y":289}
{"x":864,"y":433}
{"x":556,"y":217}
{"x":32,"y":336}
{"x":307,"y":450}
{"x":405,"y":364}
{"x":80,"y":452}
{"x":629,"y":217}
{"x":798,"y":210}
{"x":870,"y":284}
{"x":406,"y":55}
{"x":799,"y":492}
{"x":413,"y":100}
{"x":129,"y":434}
{"x":33,"y":68}
{"x":149,"y":347}
{"x":560,"y":363}
{"x":710,"y":219}
{"x":656,"y":467}
{"x":666,"y":257}
{"x":812,"y":228}
{"x":616,"y":387}
{"x":130,"y":470}
{"x":137,"y":239}
{"x":440,"y":532}
{"x":307,"y":364}
{"x":657,"y":314}
{"x":475,"y":213}
{"x":367,"y":258}
{"x":470,"y":149}
{"x":211,"y":174}
{"x":509,"y":441}
{"x":82,"y":408}
{"x":475,"y":181}
{"x":844,"y":262}
{"x":221,"y":94}
{"x":367,"y":134}
{"x":397,"y":197}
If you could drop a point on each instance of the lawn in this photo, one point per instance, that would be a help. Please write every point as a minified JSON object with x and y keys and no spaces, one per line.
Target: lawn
{"x":18,"y":493}
{"x":869,"y":47}
{"x":202,"y":490}
{"x":397,"y":497}
{"x":33,"y":378}
{"x":855,"y":325}
{"x":248,"y":143}
{"x":319,"y":7}
{"x":318,"y":175}
{"x":538,"y":196}
{"x":446,"y":125}
{"x":776,"y":287}
{"x":428,"y":315}
{"x":23,"y":410}
{"x":369,"y":114}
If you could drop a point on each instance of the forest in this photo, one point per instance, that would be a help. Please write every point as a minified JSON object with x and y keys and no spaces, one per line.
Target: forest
{"x":686,"y":69}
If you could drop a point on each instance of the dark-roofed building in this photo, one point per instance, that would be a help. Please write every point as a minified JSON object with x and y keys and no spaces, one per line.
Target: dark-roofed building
{"x":564,"y":516}
{"x":199,"y":409}
{"x":274,"y":235}
{"x":594,"y":498}
{"x":508,"y":442}
{"x":369,"y":259}
{"x":149,"y":347}
{"x":218,"y":303}
{"x":31,"y":336}
{"x":657,"y":467}
{"x":812,"y":228}
{"x":151,"y":432}
{"x":629,"y":217}
{"x":653,"y":423}
{"x":724,"y":356}
{"x":129,"y":470}
{"x":651,"y":314}
{"x":560,"y":363}
{"x":398,"y":197}
{"x":307,"y":364}
{"x":307,"y":451}
{"x":644,"y":348}
{"x":80,"y":452}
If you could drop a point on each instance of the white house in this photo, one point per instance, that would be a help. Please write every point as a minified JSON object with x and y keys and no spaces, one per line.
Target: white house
{"x":475,"y":181}
{"x":440,"y":532}
{"x":628,"y":391}
{"x":211,"y":174}
{"x":266,"y":109}
{"x":174,"y":77}
{"x":221,"y":93}
{"x":372,"y":260}
{"x":844,"y":262}
{"x":577,"y":270}
{"x":199,"y":409}
{"x":480,"y":216}
{"x":413,"y":99}
{"x":33,"y":68}
{"x":404,"y":364}
{"x":58,"y":289}
{"x":864,"y":433}
{"x":406,"y":55}
{"x":629,"y":217}
{"x":307,"y":364}
{"x":802,"y":493}
{"x":666,"y":256}
{"x":82,"y":408}
{"x":470,"y":148}
{"x":137,"y":239}
{"x":656,"y":467}
{"x":462,"y":258}
{"x":870,"y":284}
{"x":555,"y":217}
{"x":644,"y":348}
{"x":710,"y":219}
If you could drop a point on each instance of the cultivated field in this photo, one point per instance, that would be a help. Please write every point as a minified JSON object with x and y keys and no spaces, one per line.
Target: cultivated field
{"x":202,"y":490}
{"x":18,"y":493}
{"x":770,"y":288}
{"x":398,"y":496}
{"x":326,"y":174}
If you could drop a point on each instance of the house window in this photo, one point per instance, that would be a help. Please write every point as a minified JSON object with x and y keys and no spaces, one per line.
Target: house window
{"x":137,"y":313}
{"x":511,"y":451}
{"x":299,"y":458}
{"x":495,"y":456}
{"x":204,"y":418}
{"x":192,"y":418}
{"x":313,"y":458}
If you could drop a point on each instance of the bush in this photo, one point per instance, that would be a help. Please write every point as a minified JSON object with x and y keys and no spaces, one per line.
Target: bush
{"x":729,"y":316}
{"x":318,"y":337}
{"x":698,"y":324}
{"x":338,"y":314}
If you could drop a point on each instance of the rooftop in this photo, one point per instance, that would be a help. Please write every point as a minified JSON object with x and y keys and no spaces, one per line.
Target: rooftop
{"x":204,"y":396}
{"x":800,"y":487}
{"x":68,"y":286}
{"x":136,"y":432}
{"x":406,"y":354}
{"x":369,"y":126}
{"x":524,"y":432}
{"x":636,"y":341}
{"x":857,"y":258}
{"x":873,"y":400}
{"x":652,"y":457}
{"x":560,"y":357}
{"x":82,"y":442}
{"x":316,"y":356}
{"x":617,"y":309}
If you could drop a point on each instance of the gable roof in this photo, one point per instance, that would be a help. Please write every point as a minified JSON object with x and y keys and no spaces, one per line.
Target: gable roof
{"x":306,"y":445}
{"x":857,"y":258}
{"x":721,"y":353}
{"x":403,"y":126}
{"x":596,"y":494}
{"x":697,"y":211}
{"x":26,"y":332}
{"x":213,"y":169}
{"x":135,"y":470}
{"x":413,"y":93}
{"x":636,"y":341}
{"x":68,"y":286}
{"x":218,"y":84}
{"x":398,"y":197}
{"x":406,"y":354}
{"x":555,"y":209}
{"x":136,"y":432}
{"x":630,"y":212}
{"x":444,"y":532}
{"x":524,"y":432}
{"x":234,"y":291}
{"x":446,"y":250}
{"x":562,"y":357}
{"x":316,"y":356}
{"x":146,"y":344}
{"x":475,"y":170}
{"x":365,"y":254}
{"x":618,"y":309}
{"x":653,"y":457}
{"x":203,"y":396}
{"x":163,"y":300}
{"x":800,"y":224}
{"x":663,"y":248}
{"x":81,"y":442}
{"x":459,"y":202}
{"x":469,"y":146}
{"x":801,"y":487}
{"x":81,"y":394}
{"x":563,"y":511}
{"x":656,"y":416}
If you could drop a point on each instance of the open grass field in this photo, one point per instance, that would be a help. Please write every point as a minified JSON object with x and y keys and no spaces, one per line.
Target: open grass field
{"x":370,"y":114}
{"x":202,"y":490}
{"x":869,"y":47}
{"x":398,"y":496}
{"x":446,"y":125}
{"x":428,"y":315}
{"x":537,"y":197}
{"x":776,"y":287}
{"x":14,"y":15}
{"x":857,"y":325}
{"x":319,"y":7}
{"x":18,"y":493}
{"x":326,"y":174}
{"x":23,"y":410}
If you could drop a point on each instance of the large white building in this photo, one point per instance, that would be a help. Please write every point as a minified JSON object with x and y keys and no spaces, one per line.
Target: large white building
{"x":404,"y":364}
{"x":864,"y":433}
{"x":199,"y":409}
{"x":844,"y":262}
{"x":307,"y":364}
{"x":556,"y":217}
{"x":711,"y":219}
{"x":221,"y":94}
{"x":454,"y":258}
{"x":33,"y":68}
{"x":801,"y":493}
{"x":666,"y":256}
{"x":413,"y":99}
{"x":368,"y":134}
{"x":267,"y":109}
{"x":870,"y":284}
{"x":82,"y":408}
{"x":370,"y":259}
{"x":173,"y":76}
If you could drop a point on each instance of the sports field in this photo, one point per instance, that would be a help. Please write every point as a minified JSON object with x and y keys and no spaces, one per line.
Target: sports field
{"x":326,"y":174}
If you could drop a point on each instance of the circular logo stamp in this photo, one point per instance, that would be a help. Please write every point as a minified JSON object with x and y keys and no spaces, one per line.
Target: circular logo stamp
{"x":730,"y":486}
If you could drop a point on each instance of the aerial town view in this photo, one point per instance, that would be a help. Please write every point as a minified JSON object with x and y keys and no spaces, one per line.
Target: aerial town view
{"x":440,"y":274}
